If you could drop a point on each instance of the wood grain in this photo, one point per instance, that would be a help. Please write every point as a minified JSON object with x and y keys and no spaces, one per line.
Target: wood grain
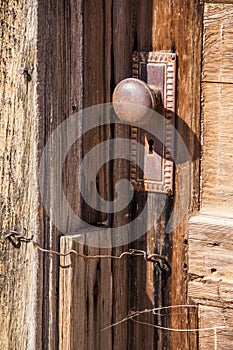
{"x":60,"y":94}
{"x":218,"y":40}
{"x":217,"y":147}
{"x":210,"y":258}
{"x":130,"y":32}
{"x":96,"y":293}
{"x":210,"y":241}
{"x":111,"y":32}
{"x":210,"y":261}
{"x":218,"y":1}
{"x":177,"y":26}
{"x":97,"y":41}
{"x":85,"y":296}
{"x":212,"y":316}
{"x":20,"y":269}
{"x":122,"y":26}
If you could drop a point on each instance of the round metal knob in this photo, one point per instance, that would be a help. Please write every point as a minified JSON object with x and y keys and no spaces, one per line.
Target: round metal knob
{"x":133,"y":101}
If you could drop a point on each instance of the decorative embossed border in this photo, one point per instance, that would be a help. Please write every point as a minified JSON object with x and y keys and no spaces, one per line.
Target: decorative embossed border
{"x":140,"y":61}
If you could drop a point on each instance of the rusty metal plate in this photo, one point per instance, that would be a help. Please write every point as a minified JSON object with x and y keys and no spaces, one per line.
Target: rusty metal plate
{"x":158,"y":70}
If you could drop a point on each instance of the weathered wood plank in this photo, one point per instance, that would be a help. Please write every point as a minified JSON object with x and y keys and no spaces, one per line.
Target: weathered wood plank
{"x":66,"y":297}
{"x":217,"y":181}
{"x":210,"y":276}
{"x":142,"y":281}
{"x":212,"y":317}
{"x":177,"y":26}
{"x":102,"y":69}
{"x":60,"y":57}
{"x":105,"y":293}
{"x":218,"y":1}
{"x":210,"y":241}
{"x":85,"y":296}
{"x":20,"y":269}
{"x":97,"y":83}
{"x":131,"y":32}
{"x":218,"y":40}
{"x":72,"y":297}
{"x":210,"y":258}
{"x":123,"y":41}
{"x":159,"y":242}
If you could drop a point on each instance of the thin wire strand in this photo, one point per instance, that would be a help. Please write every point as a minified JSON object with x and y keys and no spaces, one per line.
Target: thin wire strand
{"x":131,"y":316}
{"x":50,"y":251}
{"x":16,"y":238}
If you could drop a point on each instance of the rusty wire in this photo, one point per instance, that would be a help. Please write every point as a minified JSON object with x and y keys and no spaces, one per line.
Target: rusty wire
{"x":16,"y":238}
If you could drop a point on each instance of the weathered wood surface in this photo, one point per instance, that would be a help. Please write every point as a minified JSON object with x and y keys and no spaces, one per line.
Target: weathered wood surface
{"x":162,"y":31}
{"x":210,"y":277}
{"x":210,"y":258}
{"x":130,"y":32}
{"x":218,"y":40}
{"x":177,"y":26}
{"x":60,"y":94}
{"x":85,"y":298}
{"x":217,"y":159}
{"x":97,"y":26}
{"x":219,"y":316}
{"x":218,"y":1}
{"x":21,"y":278}
{"x":217,"y":107}
{"x":102,"y":71}
{"x":210,"y":238}
{"x":61,"y":82}
{"x":123,"y":40}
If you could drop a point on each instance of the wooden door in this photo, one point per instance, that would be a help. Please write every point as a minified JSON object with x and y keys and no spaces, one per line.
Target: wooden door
{"x":95,"y":294}
{"x":76,"y":52}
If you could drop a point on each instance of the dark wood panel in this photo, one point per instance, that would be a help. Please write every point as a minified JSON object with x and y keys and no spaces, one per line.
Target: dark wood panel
{"x":109,"y":39}
{"x":131,"y":31}
{"x":97,"y":90}
{"x":60,"y":93}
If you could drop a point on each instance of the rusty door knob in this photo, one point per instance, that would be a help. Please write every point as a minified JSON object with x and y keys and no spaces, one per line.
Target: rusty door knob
{"x":134,"y":100}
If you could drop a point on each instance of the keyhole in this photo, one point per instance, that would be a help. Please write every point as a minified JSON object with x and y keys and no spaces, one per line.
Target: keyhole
{"x":151,"y":146}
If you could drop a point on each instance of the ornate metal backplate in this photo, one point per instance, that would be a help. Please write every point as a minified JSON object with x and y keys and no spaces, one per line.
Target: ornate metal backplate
{"x":158,"y":70}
